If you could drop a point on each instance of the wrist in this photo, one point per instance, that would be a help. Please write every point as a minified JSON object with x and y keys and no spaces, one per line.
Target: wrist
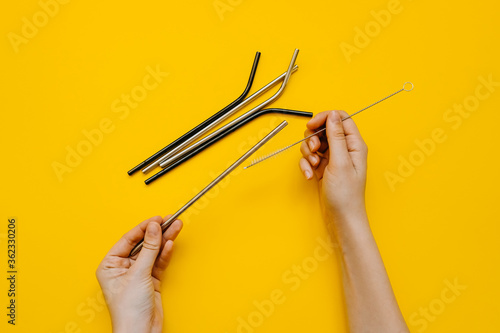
{"x":350,"y":229}
{"x":125,"y":329}
{"x":128,"y":326}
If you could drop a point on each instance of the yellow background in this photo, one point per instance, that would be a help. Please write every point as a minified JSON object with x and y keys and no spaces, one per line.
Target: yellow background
{"x":439,"y":225}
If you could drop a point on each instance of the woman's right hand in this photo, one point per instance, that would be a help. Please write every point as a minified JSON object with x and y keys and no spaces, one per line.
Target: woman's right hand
{"x":337,"y":158}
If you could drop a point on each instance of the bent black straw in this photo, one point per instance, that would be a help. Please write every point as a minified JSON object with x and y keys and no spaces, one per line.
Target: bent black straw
{"x":196,"y":129}
{"x":222,"y":135}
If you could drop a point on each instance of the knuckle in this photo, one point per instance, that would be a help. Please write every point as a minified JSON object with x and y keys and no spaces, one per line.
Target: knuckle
{"x":150,"y":246}
{"x":342,"y":113}
{"x":126,"y":239}
{"x":363,"y":146}
{"x":109,"y":262}
{"x":114,"y":261}
{"x":303,"y":148}
{"x":338,"y":134}
{"x":98,"y":273}
{"x":303,"y":163}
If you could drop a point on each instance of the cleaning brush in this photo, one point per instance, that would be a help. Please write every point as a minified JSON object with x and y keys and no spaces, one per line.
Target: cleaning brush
{"x":407,"y":86}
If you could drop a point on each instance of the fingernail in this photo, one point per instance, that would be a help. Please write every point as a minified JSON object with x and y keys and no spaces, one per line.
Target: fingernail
{"x":153,"y":228}
{"x":308,"y":174}
{"x":314,"y":159}
{"x":311,"y":145}
{"x":334,"y":116}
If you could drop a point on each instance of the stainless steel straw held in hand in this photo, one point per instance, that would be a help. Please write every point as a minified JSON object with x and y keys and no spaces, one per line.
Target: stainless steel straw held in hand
{"x":252,"y":150}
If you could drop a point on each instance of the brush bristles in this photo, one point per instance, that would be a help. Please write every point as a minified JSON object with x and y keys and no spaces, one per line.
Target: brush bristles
{"x":263,"y":158}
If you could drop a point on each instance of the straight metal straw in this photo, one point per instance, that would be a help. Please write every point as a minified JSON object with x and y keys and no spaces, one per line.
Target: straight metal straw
{"x":252,"y":150}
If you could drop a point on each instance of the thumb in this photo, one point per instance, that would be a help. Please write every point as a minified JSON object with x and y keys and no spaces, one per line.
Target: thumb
{"x":150,"y":248}
{"x":339,"y":155}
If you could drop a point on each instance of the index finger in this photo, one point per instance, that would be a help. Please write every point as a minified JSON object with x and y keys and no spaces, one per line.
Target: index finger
{"x":123,"y":247}
{"x":350,"y":127}
{"x":318,"y":120}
